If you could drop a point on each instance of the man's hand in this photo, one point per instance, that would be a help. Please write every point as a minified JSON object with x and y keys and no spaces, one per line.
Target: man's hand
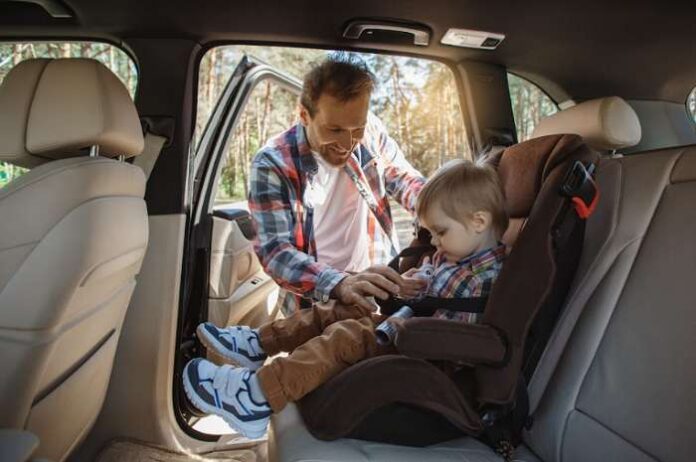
{"x":376,"y":281}
{"x":414,"y":281}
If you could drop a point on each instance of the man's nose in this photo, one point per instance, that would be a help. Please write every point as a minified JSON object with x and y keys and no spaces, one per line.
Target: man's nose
{"x":345,"y":140}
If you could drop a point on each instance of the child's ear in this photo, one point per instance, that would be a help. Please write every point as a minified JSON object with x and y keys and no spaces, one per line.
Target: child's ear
{"x":481,"y":221}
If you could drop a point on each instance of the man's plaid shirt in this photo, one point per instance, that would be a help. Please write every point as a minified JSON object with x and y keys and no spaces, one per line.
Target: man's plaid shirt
{"x":284,"y":243}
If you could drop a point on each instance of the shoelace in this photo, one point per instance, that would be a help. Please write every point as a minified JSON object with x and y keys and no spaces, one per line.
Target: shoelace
{"x":226,"y":381}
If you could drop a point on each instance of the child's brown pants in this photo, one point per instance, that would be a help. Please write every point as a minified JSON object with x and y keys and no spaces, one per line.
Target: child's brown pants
{"x":322,"y":341}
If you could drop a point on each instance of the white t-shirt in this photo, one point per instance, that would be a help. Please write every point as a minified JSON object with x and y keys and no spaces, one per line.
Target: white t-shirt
{"x":340,"y":219}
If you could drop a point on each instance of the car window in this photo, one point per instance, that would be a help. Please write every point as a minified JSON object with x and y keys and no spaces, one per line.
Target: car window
{"x":269,"y":110}
{"x":691,"y":104}
{"x":416,"y":99}
{"x":529,"y":105}
{"x":13,"y":53}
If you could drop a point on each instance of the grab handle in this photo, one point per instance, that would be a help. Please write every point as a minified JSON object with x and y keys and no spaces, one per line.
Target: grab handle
{"x":355,"y":30}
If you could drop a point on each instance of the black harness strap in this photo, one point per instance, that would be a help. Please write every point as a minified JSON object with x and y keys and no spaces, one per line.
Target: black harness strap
{"x":428,"y":305}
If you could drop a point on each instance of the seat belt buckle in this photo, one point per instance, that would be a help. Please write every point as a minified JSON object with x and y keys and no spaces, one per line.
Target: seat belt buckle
{"x":581,"y":188}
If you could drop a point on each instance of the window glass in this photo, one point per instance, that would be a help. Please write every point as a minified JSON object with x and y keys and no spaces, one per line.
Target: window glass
{"x":416,"y":99}
{"x":269,"y":110}
{"x":529,"y":105}
{"x":12,"y":53}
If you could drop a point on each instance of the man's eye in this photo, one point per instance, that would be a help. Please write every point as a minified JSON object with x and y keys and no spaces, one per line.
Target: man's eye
{"x":335,"y":130}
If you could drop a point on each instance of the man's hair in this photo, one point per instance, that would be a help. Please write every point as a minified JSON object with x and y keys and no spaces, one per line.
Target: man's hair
{"x":341,"y":75}
{"x":462,"y":188}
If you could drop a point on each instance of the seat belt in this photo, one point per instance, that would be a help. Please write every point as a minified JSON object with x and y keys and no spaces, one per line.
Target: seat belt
{"x":151,"y":151}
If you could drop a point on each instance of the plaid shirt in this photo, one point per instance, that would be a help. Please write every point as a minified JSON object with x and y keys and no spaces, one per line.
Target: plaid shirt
{"x":468,"y":278}
{"x":285,"y":244}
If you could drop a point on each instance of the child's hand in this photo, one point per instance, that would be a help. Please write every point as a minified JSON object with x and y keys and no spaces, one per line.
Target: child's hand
{"x":412,"y":287}
{"x":415,"y":280}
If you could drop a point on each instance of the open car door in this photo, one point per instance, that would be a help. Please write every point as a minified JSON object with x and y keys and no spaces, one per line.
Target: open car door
{"x":224,"y":281}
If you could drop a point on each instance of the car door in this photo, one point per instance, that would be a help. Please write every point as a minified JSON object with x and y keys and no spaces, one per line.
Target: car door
{"x":234,"y":289}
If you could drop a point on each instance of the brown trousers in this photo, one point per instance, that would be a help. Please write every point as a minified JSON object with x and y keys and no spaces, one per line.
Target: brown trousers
{"x":322,"y":341}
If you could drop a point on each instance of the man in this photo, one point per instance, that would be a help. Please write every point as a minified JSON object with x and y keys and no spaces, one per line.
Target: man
{"x":319,"y":194}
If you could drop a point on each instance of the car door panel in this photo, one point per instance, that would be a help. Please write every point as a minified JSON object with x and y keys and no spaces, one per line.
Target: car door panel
{"x":238,"y":289}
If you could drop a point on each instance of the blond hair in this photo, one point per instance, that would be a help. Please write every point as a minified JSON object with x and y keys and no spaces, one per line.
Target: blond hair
{"x":462,"y":188}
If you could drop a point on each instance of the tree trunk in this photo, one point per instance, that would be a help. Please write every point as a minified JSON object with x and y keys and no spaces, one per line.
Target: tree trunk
{"x":245,"y":154}
{"x":17,"y":53}
{"x":263,"y":127}
{"x":396,"y":83}
{"x":112,"y":59}
{"x":440,"y":150}
{"x":234,"y":154}
{"x":210,"y":79}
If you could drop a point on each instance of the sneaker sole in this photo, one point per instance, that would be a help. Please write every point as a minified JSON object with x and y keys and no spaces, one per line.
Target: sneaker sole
{"x":230,"y":419}
{"x":214,"y":349}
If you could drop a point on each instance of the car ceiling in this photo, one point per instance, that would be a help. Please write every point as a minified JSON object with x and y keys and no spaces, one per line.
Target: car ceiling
{"x":634,"y":49}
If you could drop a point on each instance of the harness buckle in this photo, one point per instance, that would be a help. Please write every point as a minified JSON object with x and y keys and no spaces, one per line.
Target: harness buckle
{"x":581,"y":188}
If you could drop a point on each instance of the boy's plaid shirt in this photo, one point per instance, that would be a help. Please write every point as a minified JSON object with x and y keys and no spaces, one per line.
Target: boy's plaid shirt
{"x":468,"y":278}
{"x":284,"y":242}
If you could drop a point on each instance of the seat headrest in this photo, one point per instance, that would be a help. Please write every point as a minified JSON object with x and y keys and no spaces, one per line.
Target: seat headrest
{"x":524,"y":167}
{"x":54,"y":108}
{"x":604,"y":123}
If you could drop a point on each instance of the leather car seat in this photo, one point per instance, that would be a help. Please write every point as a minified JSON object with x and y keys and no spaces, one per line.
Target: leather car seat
{"x":73,"y":233}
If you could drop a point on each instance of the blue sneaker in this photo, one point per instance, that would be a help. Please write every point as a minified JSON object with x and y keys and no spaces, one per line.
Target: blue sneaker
{"x":231,"y":393}
{"x":236,"y":345}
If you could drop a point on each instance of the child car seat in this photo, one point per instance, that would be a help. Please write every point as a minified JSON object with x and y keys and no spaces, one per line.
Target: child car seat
{"x":404,"y":398}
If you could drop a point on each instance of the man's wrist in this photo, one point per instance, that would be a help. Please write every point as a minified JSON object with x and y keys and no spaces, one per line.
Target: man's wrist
{"x":327,"y":280}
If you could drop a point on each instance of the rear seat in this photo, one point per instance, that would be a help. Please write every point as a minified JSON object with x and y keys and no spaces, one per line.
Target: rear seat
{"x":624,"y":387}
{"x":616,"y":382}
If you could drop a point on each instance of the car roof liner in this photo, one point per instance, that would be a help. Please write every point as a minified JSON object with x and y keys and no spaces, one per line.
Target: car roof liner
{"x":589,"y":48}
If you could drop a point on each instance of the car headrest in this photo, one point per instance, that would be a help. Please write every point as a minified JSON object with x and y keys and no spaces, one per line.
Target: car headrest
{"x":604,"y":123}
{"x":524,"y":167}
{"x":55,"y":108}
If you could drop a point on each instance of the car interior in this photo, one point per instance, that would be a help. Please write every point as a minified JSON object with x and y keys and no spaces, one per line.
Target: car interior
{"x":114,"y":244}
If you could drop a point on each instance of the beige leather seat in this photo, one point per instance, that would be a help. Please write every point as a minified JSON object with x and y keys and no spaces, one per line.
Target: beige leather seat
{"x":606,"y":124}
{"x":73,"y":233}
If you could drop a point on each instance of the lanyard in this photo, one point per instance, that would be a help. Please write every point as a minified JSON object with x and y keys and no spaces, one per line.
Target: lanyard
{"x":351,"y":168}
